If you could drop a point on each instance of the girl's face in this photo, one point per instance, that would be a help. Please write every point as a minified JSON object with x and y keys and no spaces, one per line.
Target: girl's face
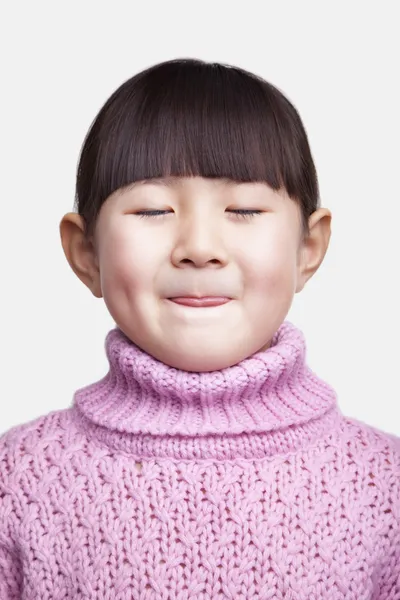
{"x":199,"y":246}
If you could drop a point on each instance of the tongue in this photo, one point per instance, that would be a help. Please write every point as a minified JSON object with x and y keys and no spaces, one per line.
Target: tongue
{"x":207,"y":301}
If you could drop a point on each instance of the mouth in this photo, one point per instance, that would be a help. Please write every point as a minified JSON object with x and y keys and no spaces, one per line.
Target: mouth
{"x":205,"y":301}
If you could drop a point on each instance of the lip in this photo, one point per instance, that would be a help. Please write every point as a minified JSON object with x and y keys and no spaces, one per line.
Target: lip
{"x":205,"y":301}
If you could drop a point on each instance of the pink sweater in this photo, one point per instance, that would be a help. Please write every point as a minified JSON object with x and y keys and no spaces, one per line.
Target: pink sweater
{"x":246,"y":483}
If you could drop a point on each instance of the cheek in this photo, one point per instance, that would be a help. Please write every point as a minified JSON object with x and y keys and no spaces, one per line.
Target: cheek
{"x":126,"y":266}
{"x":272,"y":266}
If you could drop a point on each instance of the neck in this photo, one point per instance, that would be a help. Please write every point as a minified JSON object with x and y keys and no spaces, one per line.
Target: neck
{"x":268,"y":403}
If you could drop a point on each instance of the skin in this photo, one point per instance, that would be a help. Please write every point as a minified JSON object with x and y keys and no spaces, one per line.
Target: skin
{"x":198,"y":247}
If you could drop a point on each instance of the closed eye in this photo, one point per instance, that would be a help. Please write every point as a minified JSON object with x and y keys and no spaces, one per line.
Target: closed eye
{"x":151,"y":213}
{"x":246,"y":213}
{"x":240,"y":212}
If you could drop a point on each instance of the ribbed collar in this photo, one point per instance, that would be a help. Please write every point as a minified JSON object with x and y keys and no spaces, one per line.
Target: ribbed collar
{"x":270,"y":402}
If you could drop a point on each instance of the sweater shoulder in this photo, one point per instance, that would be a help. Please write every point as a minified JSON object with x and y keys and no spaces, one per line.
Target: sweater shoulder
{"x":23,"y":443}
{"x":41,"y":427}
{"x":371,"y":438}
{"x":372,"y":448}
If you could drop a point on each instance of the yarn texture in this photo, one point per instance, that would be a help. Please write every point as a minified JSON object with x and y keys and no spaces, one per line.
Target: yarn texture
{"x":160,"y":484}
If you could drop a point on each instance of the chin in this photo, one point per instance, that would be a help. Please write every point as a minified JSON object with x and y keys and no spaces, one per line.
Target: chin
{"x":201,"y":362}
{"x":200,"y":366}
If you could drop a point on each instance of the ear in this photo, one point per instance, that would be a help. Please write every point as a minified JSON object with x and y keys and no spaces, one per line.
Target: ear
{"x":314,"y":247}
{"x":80,"y":252}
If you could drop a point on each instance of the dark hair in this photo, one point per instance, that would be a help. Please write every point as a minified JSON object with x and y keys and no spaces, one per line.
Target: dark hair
{"x":187,"y":117}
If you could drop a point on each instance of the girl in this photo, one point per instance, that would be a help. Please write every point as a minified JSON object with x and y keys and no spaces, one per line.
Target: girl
{"x":210,"y":462}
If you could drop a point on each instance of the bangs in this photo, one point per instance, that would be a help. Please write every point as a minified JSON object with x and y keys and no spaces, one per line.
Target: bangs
{"x":190,"y":118}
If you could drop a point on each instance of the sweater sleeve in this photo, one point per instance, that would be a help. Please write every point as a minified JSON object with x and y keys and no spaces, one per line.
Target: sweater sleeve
{"x":389,"y":573}
{"x":10,"y":565}
{"x":389,"y":577}
{"x":10,"y":575}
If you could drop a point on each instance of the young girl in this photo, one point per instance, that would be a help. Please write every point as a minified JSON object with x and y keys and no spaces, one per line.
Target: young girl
{"x":210,"y":462}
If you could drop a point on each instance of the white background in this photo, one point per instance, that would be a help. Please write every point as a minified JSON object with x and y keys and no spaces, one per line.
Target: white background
{"x":338,"y":63}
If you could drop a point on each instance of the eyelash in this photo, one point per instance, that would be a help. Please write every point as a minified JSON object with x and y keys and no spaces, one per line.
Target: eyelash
{"x":242,"y":213}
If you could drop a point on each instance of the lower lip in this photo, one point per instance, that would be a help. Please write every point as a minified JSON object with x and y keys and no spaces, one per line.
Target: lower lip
{"x":201,"y":302}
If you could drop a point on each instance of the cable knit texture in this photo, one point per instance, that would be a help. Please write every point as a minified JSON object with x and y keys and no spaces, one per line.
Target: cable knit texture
{"x":244,"y":483}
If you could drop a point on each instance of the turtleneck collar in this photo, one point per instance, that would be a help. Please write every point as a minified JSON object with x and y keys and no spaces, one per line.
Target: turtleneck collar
{"x":270,"y":402}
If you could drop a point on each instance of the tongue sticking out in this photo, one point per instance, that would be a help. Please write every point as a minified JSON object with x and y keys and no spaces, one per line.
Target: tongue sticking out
{"x":206,"y":301}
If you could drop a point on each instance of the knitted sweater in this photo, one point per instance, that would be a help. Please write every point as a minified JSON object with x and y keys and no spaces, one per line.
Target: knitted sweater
{"x":244,"y":483}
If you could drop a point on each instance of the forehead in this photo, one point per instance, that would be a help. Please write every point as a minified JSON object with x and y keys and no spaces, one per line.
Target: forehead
{"x":212,"y":184}
{"x":177,"y":182}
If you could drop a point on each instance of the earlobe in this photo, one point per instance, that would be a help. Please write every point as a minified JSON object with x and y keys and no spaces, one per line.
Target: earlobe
{"x":79,"y":252}
{"x":315,"y":246}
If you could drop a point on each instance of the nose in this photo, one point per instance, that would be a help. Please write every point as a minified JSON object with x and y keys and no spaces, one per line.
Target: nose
{"x":199,"y":244}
